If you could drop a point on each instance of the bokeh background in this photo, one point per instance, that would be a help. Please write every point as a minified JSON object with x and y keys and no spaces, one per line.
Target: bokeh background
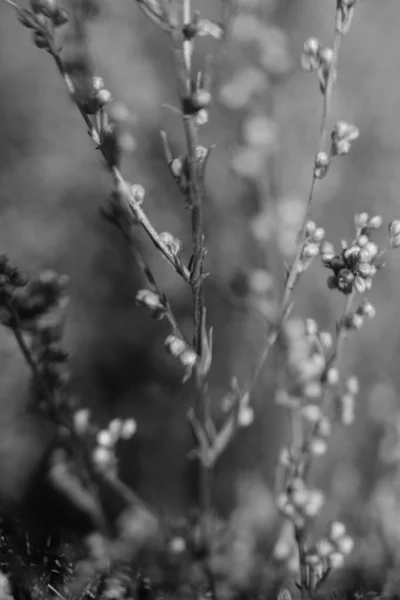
{"x":52,"y":184}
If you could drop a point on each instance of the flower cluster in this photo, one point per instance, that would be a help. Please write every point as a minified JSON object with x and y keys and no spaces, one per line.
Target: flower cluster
{"x":345,"y":403}
{"x":179,"y":166}
{"x":306,"y":359}
{"x":113,"y":122}
{"x":316,"y":58}
{"x":43,"y":17}
{"x":299,"y":503}
{"x":37,"y":307}
{"x":98,"y":96}
{"x":153,"y":302}
{"x":342,"y":136}
{"x":104,"y":456}
{"x":328,"y":553}
{"x":313,"y":239}
{"x":356,"y":265}
{"x":10,"y":279}
{"x":180,"y":350}
{"x":198,"y":101}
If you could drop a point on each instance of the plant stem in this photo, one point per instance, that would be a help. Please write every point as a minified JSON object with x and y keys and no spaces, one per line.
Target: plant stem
{"x":294,"y":272}
{"x":299,"y":536}
{"x":133,"y":206}
{"x":182,"y":54}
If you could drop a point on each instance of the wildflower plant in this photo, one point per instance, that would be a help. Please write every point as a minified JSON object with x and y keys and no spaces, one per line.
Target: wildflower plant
{"x":313,"y":389}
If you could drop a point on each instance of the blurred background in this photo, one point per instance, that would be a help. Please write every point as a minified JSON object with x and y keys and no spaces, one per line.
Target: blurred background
{"x":52,"y":184}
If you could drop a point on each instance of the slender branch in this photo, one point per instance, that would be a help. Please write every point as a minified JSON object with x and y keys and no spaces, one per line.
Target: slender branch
{"x":127,"y":233}
{"x":294,"y":270}
{"x":182,"y":54}
{"x":133,"y":208}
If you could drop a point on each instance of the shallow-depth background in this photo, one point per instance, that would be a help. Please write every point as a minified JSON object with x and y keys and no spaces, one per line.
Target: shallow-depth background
{"x":52,"y":184}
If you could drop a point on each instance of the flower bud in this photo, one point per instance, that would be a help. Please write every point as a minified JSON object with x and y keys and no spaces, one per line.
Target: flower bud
{"x":176,"y":167}
{"x":372,"y":249}
{"x":314,"y":504}
{"x":81,"y":420}
{"x":311,"y":46}
{"x":175,"y":345}
{"x":327,"y":248}
{"x":138,"y":193}
{"x":337,"y":530}
{"x":103,"y":97}
{"x":40,"y":40}
{"x":102,"y":457}
{"x":321,"y":165}
{"x":201,"y":117}
{"x":324,"y":548}
{"x":367,"y":309}
{"x":352,"y":385}
{"x":188,"y":358}
{"x":361,"y":220}
{"x":326,"y":340}
{"x":318,"y":446}
{"x":312,"y":559}
{"x":375,"y":222}
{"x":312,"y":389}
{"x":172,"y":243}
{"x":310,"y":228}
{"x":345,"y":544}
{"x":60,"y":17}
{"x":362,"y":241}
{"x":96,"y":84}
{"x":332,"y":376}
{"x":152,"y":301}
{"x":347,"y":409}
{"x":310,"y":250}
{"x":394,"y":228}
{"x":114,"y":427}
{"x":318,"y":235}
{"x":311,"y":327}
{"x":395,"y":242}
{"x":245,"y":416}
{"x":326,"y":57}
{"x":128,"y":429}
{"x":104,"y":438}
{"x":201,"y":99}
{"x":310,"y":55}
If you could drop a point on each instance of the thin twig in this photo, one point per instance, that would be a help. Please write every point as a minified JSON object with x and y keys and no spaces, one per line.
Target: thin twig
{"x":182,"y":56}
{"x":294,"y":270}
{"x":133,"y":207}
{"x":145,"y":268}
